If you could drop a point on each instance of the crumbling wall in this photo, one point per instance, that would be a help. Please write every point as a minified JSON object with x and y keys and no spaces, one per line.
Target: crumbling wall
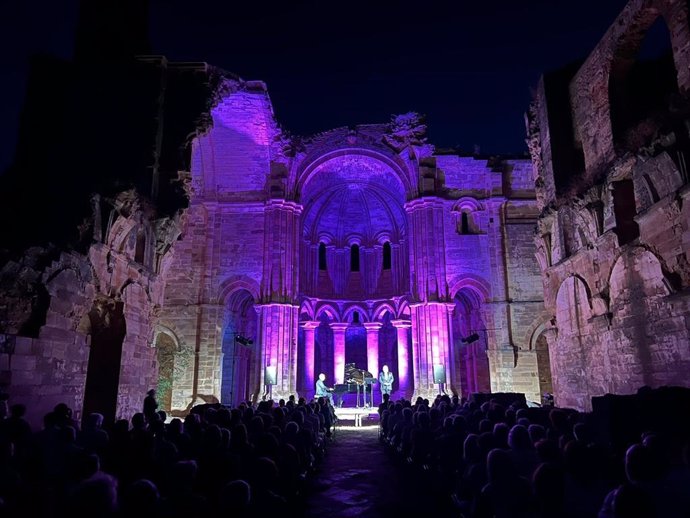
{"x":613,"y":250}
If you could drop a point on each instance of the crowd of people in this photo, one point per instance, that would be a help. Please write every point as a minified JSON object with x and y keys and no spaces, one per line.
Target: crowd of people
{"x":253,"y":460}
{"x":493,"y":460}
{"x":488,"y":460}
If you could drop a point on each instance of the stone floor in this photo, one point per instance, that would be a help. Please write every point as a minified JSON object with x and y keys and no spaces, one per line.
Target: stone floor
{"x":359,"y":478}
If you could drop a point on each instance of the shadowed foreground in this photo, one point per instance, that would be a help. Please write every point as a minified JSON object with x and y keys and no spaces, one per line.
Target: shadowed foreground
{"x":358,"y":478}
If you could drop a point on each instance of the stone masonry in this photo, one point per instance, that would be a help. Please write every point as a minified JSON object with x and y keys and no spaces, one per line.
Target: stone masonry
{"x":612,"y":184}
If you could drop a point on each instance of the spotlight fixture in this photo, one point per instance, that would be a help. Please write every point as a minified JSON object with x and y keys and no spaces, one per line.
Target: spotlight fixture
{"x":243,"y":340}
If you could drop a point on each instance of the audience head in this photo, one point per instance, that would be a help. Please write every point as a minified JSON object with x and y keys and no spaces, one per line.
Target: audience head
{"x":235,"y":495}
{"x":499,"y":467}
{"x":518,"y":438}
{"x":141,"y":498}
{"x":549,"y":488}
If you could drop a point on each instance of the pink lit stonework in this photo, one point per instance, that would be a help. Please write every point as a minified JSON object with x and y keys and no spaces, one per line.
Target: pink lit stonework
{"x":274,"y":226}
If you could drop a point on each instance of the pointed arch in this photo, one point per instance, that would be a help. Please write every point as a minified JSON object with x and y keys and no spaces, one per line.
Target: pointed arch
{"x":363,"y":314}
{"x":329,"y":310}
{"x":381,"y":310}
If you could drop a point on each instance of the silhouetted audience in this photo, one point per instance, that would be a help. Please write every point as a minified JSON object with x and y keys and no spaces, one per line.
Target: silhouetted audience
{"x":494,"y":461}
{"x":246,"y":461}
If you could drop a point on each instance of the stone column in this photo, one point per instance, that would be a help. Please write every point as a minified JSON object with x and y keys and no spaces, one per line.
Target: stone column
{"x":430,"y":342}
{"x":338,"y":351}
{"x":402,"y":327}
{"x":309,"y":328}
{"x":278,"y":315}
{"x":278,"y":340}
{"x":373,"y":346}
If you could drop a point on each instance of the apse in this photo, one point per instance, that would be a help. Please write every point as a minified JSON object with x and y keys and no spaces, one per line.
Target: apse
{"x":353,"y":212}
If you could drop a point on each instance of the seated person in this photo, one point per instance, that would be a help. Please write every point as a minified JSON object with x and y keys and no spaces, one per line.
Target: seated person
{"x":322,"y":390}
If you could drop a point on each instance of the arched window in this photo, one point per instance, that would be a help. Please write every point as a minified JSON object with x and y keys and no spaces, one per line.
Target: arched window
{"x":386,"y":256}
{"x":354,"y":258}
{"x":322,"y":256}
{"x":355,"y":317}
{"x":465,"y":224}
{"x":642,"y":83}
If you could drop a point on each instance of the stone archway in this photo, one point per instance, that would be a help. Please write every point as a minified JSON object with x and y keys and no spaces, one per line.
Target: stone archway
{"x":541,"y":347}
{"x":471,"y":365}
{"x":239,"y":363}
{"x":166,"y":349}
{"x":107,"y":327}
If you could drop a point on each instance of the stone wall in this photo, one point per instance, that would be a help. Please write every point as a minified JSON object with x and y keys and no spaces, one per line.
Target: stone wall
{"x":613,"y":249}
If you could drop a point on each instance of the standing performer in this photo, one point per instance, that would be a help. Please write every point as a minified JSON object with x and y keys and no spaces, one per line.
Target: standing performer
{"x":386,"y":381}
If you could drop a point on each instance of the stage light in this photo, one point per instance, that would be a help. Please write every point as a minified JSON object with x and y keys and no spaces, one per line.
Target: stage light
{"x":243,"y":340}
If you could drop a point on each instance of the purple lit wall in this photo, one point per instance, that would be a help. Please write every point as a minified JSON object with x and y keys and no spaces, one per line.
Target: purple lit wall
{"x":261,"y":211}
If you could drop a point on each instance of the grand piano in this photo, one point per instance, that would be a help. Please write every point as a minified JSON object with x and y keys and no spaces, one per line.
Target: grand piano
{"x":356,"y":382}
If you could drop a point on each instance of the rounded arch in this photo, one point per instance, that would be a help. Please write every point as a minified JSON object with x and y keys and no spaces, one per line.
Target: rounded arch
{"x":327,"y":238}
{"x":238,"y":282}
{"x":384,"y":236}
{"x":309,"y":167}
{"x":671,"y":280}
{"x":472,"y":282}
{"x":535,"y":330}
{"x":615,"y":55}
{"x":573,"y":305}
{"x":164,"y":329}
{"x":645,"y":272}
{"x":129,"y":282}
{"x":467,"y":203}
{"x":53,"y":275}
{"x":348,"y":316}
{"x":334,"y":200}
{"x":354,"y":238}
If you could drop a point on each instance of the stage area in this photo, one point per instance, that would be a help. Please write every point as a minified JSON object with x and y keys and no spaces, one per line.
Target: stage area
{"x":357,"y":417}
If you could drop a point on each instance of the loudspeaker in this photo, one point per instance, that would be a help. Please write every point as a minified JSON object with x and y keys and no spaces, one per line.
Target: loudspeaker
{"x":439,"y":373}
{"x":270,"y":375}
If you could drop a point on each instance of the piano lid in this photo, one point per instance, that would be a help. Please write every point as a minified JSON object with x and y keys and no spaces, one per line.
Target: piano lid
{"x":355,"y":375}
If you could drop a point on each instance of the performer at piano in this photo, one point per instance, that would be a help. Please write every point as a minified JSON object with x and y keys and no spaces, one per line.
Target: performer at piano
{"x":322,"y":390}
{"x":386,"y":381}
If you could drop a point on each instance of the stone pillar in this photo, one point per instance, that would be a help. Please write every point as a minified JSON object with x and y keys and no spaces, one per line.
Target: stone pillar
{"x":373,"y":346}
{"x":431,"y":346}
{"x":402,"y":327}
{"x":429,"y":287}
{"x":278,"y":340}
{"x":309,"y":375}
{"x":338,"y":351}
{"x":280,"y":293}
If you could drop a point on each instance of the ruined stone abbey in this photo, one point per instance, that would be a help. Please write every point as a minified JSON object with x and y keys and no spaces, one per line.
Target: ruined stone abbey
{"x":243,"y":261}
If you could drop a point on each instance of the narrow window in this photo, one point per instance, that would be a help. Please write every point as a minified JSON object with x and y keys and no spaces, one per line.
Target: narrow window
{"x":355,"y":317}
{"x":386,"y":256}
{"x":322,"y":256}
{"x":140,"y":248}
{"x":465,"y":224}
{"x":625,"y":210}
{"x":354,"y":258}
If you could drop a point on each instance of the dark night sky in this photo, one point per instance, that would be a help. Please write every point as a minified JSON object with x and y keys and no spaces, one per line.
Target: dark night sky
{"x":470,"y":66}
